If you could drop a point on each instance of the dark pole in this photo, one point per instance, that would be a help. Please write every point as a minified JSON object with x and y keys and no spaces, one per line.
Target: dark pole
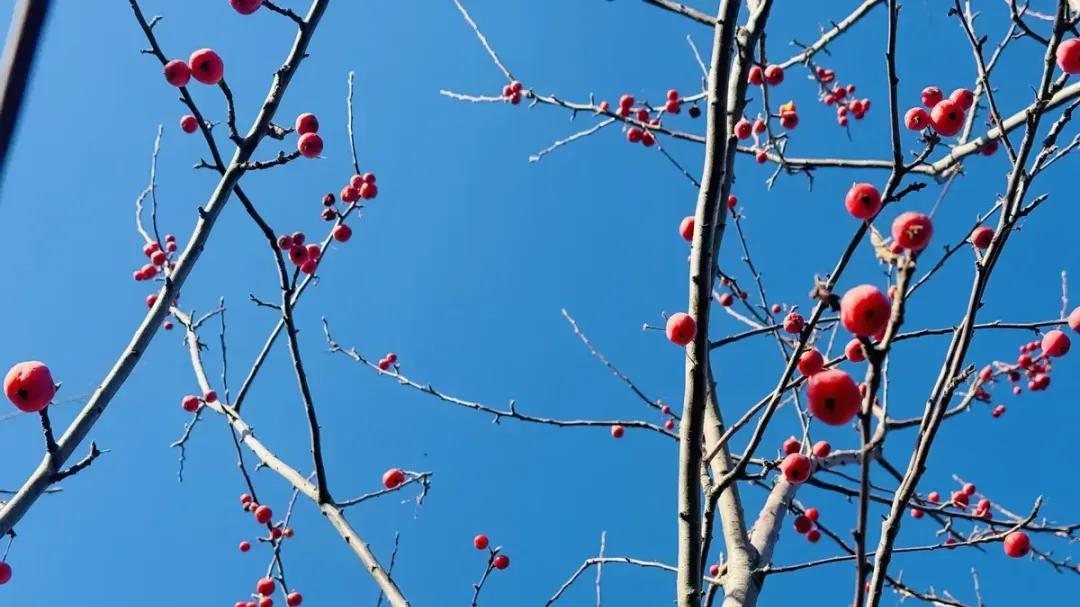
{"x":22,"y":40}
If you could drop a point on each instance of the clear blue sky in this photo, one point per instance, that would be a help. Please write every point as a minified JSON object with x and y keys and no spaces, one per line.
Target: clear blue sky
{"x":461,"y":267}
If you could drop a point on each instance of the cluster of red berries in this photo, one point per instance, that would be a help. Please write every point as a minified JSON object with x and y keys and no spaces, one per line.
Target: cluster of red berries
{"x":192,"y":403}
{"x":310,"y":145}
{"x":669,"y":423}
{"x":805,"y":524}
{"x":159,"y":259}
{"x":390,"y":360}
{"x":842,"y":96}
{"x":771,"y":75}
{"x":726,"y":299}
{"x":946,"y":115}
{"x":635,"y":134}
{"x":305,"y":257}
{"x":204,"y":65}
{"x":29,"y":386}
{"x":512,"y":92}
{"x":498,"y":561}
{"x":360,"y":187}
{"x":797,"y":467}
{"x":1035,"y":367}
{"x":265,"y":587}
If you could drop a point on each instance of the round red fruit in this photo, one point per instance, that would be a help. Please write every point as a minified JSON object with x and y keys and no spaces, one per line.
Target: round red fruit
{"x":206,"y":66}
{"x":1055,"y":343}
{"x":189,"y":124}
{"x":263,"y":514}
{"x":963,"y":98}
{"x":774,"y":74}
{"x":854,"y":351}
{"x":796,"y":468}
{"x":981,"y":237}
{"x":931,"y":96}
{"x":307,"y":123}
{"x":810,"y":362}
{"x":834,"y":397}
{"x":686,"y":228}
{"x":617,"y":431}
{"x":863,"y":201}
{"x":681,"y":328}
{"x":916,"y":119}
{"x":177,"y":73}
{"x":1017,"y":544}
{"x":294,"y":599}
{"x":912,"y":230}
{"x":947,"y":117}
{"x":29,"y":385}
{"x":791,"y":445}
{"x":245,"y":546}
{"x":342,"y":233}
{"x":822,"y":449}
{"x":864,"y":310}
{"x":480,"y":542}
{"x":246,"y":7}
{"x":803,"y":524}
{"x":501,"y":562}
{"x":265,"y":586}
{"x":310,"y":145}
{"x":392,"y":478}
{"x":1068,"y":56}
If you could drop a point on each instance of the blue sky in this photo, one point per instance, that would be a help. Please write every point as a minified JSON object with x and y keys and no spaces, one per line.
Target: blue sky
{"x":461,"y":267}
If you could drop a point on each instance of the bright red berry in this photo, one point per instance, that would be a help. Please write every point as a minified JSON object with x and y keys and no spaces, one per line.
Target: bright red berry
{"x":912,"y":230}
{"x":813,"y":514}
{"x":310,"y":145}
{"x":350,"y":194}
{"x":284,"y":242}
{"x":671,"y":106}
{"x":1055,"y":343}
{"x":297,"y":254}
{"x":863,"y":201}
{"x":743,"y":129}
{"x":189,"y":124}
{"x":969,"y":489}
{"x":916,"y":513}
{"x":480,"y":542}
{"x":265,"y":586}
{"x":854,"y":351}
{"x":796,"y":468}
{"x":810,"y":362}
{"x":246,"y":7}
{"x":294,"y":599}
{"x":1068,"y":56}
{"x":177,"y":73}
{"x":963,"y":98}
{"x":864,"y":310}
{"x":813,"y":536}
{"x":669,"y":424}
{"x":732,"y":201}
{"x":307,"y":123}
{"x":981,"y":237}
{"x":714,"y":570}
{"x":998,"y":411}
{"x":245,"y":499}
{"x":834,"y":397}
{"x":342,"y":233}
{"x":263,"y":514}
{"x":931,"y":96}
{"x":29,"y":386}
{"x":989,"y":148}
{"x":774,"y":75}
{"x":190,"y":403}
{"x":369,"y":190}
{"x":210,"y":396}
{"x":501,"y":562}
{"x":755,"y":76}
{"x":617,"y":431}
{"x":803,"y":524}
{"x":5,"y":572}
{"x":916,"y":119}
{"x":686,"y":228}
{"x":822,"y":449}
{"x":393,"y":478}
{"x":791,"y":445}
{"x":793,"y":322}
{"x":933,"y":497}
{"x":681,"y":328}
{"x":1017,"y":544}
{"x":245,"y":546}
{"x":206,"y":66}
{"x":947,"y":117}
{"x":725,"y":299}
{"x":626,"y":101}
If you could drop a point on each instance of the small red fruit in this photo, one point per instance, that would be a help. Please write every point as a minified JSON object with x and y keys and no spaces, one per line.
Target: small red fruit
{"x":947,"y":117}
{"x":743,"y":129}
{"x":969,"y":489}
{"x":822,"y":449}
{"x":501,"y":562}
{"x":681,"y":328}
{"x":810,"y":362}
{"x":981,"y":237}
{"x":916,"y":119}
{"x":916,"y":513}
{"x":263,"y":514}
{"x":626,"y":101}
{"x":210,"y":396}
{"x":177,"y":73}
{"x":963,"y":98}
{"x":265,"y":586}
{"x":863,"y":201}
{"x":1055,"y":343}
{"x":294,"y":599}
{"x":793,"y":322}
{"x":912,"y":230}
{"x":864,"y":310}
{"x":245,"y":499}
{"x":755,"y":76}
{"x":266,"y":602}
{"x":714,"y":570}
{"x":392,"y":478}
{"x":190,"y":403}
{"x":1068,"y":56}
{"x":29,"y":385}
{"x":189,"y":124}
{"x":342,"y":233}
{"x":1074,"y":319}
{"x":480,"y":542}
{"x":246,"y":7}
{"x":617,"y":431}
{"x":307,"y":123}
{"x":791,"y":445}
{"x":933,"y":497}
{"x":245,"y":546}
{"x":931,"y":96}
{"x":796,"y":468}
{"x":5,"y":572}
{"x":813,"y":536}
{"x":834,"y":397}
{"x":774,"y":75}
{"x":310,"y":145}
{"x":803,"y":524}
{"x":369,"y":190}
{"x":686,"y":228}
{"x":669,"y":424}
{"x":813,"y":514}
{"x":732,"y":201}
{"x":854,"y":351}
{"x":998,"y":411}
{"x":1017,"y":544}
{"x":206,"y":66}
{"x":726,"y":299}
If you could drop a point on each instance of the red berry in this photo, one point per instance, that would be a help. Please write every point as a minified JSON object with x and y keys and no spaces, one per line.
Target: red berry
{"x":369,"y":178}
{"x":959,"y":499}
{"x":725,"y":299}
{"x":298,"y":254}
{"x":626,"y":101}
{"x":189,"y":124}
{"x":916,"y":119}
{"x":743,"y":129}
{"x":912,"y":230}
{"x":383,"y":364}
{"x":803,"y":524}
{"x":275,"y":533}
{"x":350,"y":194}
{"x":265,"y":586}
{"x":732,"y":201}
{"x":933,"y":497}
{"x":288,"y":532}
{"x":190,"y":403}
{"x":947,"y":117}
{"x":810,"y":362}
{"x":617,"y":431}
{"x":293,"y":599}
{"x":263,"y":514}
{"x":669,"y":424}
{"x":647,"y":139}
{"x":755,"y":76}
{"x":307,"y":123}
{"x":284,"y":242}
{"x":177,"y":73}
{"x":1068,"y":56}
{"x":963,"y":98}
{"x":1074,"y":319}
{"x":245,"y":499}
{"x":480,"y":542}
{"x":774,"y":74}
{"x":793,"y":322}
{"x":714,"y":570}
{"x":516,"y":86}
{"x":206,"y":66}
{"x":681,"y":328}
{"x":29,"y":385}
{"x":916,"y":513}
{"x":310,"y":145}
{"x":673,"y":94}
{"x":759,"y":126}
{"x":393,"y":478}
{"x":501,"y":562}
{"x":246,"y":7}
{"x":862,"y":201}
{"x":981,"y":237}
{"x":989,"y":148}
{"x":342,"y":233}
{"x":931,"y":95}
{"x":245,"y":546}
{"x":671,"y":106}
{"x":969,"y":489}
{"x":812,"y":514}
{"x":864,"y":310}
{"x":822,"y":449}
{"x":369,"y":190}
{"x":210,"y":396}
{"x":789,"y":120}
{"x":834,"y":397}
{"x":1055,"y":343}
{"x":1017,"y":544}
{"x":998,"y":410}
{"x":5,"y":573}
{"x":313,"y":252}
{"x":686,"y":228}
{"x":159,"y":258}
{"x":791,"y":445}
{"x":151,"y":299}
{"x":813,"y":536}
{"x":796,"y":468}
